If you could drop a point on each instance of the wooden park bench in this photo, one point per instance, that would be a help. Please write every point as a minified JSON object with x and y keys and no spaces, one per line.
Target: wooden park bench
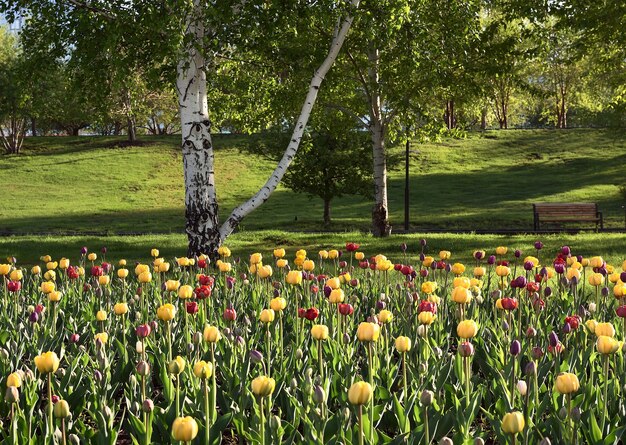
{"x":572,"y":212}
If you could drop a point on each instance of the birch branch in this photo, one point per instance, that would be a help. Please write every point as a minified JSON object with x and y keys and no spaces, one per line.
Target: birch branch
{"x":270,"y":185}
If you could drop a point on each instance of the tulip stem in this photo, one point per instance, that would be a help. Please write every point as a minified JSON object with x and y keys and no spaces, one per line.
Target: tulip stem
{"x":206,"y":410}
{"x":361,"y":425}
{"x":213,"y":385}
{"x":267,"y":347}
{"x":178,"y":395}
{"x":63,"y":435}
{"x":371,"y":376}
{"x":50,"y":419}
{"x":606,"y":388}
{"x":426,"y":428}
{"x":262,"y":424}
{"x":320,"y":360}
{"x":406,"y":392}
{"x":570,"y":427}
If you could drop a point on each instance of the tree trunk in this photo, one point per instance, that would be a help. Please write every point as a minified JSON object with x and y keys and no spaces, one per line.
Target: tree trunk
{"x":326,"y":212}
{"x":131,"y":129}
{"x":380,"y":212}
{"x":483,"y":118}
{"x":117,"y":128}
{"x":270,"y":185}
{"x":75,"y":131}
{"x":33,"y":126}
{"x":201,"y":210}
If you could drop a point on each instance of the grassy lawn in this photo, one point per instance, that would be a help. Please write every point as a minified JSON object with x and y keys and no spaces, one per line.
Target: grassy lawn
{"x":486,"y":181}
{"x":28,"y":249}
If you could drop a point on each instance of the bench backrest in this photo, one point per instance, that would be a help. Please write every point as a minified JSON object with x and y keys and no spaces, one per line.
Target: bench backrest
{"x":566,"y":208}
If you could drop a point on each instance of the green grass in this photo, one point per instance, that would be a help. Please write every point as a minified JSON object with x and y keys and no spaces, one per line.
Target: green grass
{"x":486,"y":181}
{"x":28,"y":249}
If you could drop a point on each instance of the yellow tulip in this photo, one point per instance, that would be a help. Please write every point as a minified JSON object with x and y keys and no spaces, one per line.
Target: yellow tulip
{"x":360,"y":393}
{"x":385,"y":316}
{"x":567,"y":383}
{"x":308,"y":265}
{"x":319,"y":332}
{"x":50,"y":275}
{"x":333,"y":254}
{"x":121,"y":263}
{"x":122,"y":273}
{"x":479,"y":271}
{"x":607,"y":345}
{"x":16,"y":275}
{"x":428,"y":287}
{"x":604,"y":329}
{"x":104,"y":280}
{"x":185,"y":292}
{"x":177,"y":366}
{"x":120,"y":308}
{"x":211,"y":334}
{"x":64,"y":263}
{"x":444,"y":255}
{"x":46,"y":258}
{"x":596,"y":279}
{"x":458,"y":268}
{"x":145,"y":277}
{"x":55,"y":296}
{"x":172,"y":285}
{"x":184,"y":429}
{"x":35,"y":270}
{"x":14,"y":380}
{"x":282,"y":263}
{"x":183,"y":261}
{"x":102,"y":336}
{"x":265,"y":271}
{"x":267,"y":316}
{"x":294,"y":278}
{"x":573,"y":272}
{"x":92,"y":257}
{"x":428,"y":261}
{"x":503,"y":271}
{"x":359,"y":256}
{"x":256,"y":258}
{"x":368,"y":331}
{"x":154,"y":253}
{"x":224,"y":267}
{"x":323,"y":254}
{"x":167,"y":312}
{"x":426,"y":317}
{"x":596,"y":262}
{"x":223,"y":251}
{"x":461,"y":295}
{"x":513,"y":423}
{"x":336,"y":296}
{"x":279,"y":253}
{"x":47,"y":287}
{"x":5,"y":269}
{"x":203,"y":370}
{"x":591,"y":325}
{"x":263,"y":386}
{"x":467,"y":329}
{"x":47,"y":362}
{"x":501,"y":250}
{"x":141,"y":268}
{"x":403,"y":344}
{"x":101,"y":316}
{"x":333,"y":283}
{"x":278,"y":304}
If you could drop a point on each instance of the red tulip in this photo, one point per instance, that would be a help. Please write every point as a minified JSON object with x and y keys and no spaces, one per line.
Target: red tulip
{"x":143,"y":330}
{"x":311,"y":314}
{"x":192,"y":307}
{"x":14,"y":286}
{"x":509,"y":304}
{"x":427,"y":306}
{"x":301,"y":312}
{"x":345,"y":309}
{"x":202,"y":292}
{"x":97,"y":271}
{"x":352,"y":247}
{"x":621,"y":311}
{"x":573,"y":321}
{"x":206,"y":280}
{"x":230,"y":314}
{"x":201,"y":264}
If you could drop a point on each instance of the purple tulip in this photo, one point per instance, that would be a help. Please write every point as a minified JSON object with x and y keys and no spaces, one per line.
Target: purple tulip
{"x":423,"y":242}
{"x":256,"y":356}
{"x":327,"y":291}
{"x":528,"y":265}
{"x":553,"y":339}
{"x":559,"y":268}
{"x":547,"y":291}
{"x":422,"y":256}
{"x":33,"y":317}
{"x":491,"y":260}
{"x":538,"y":245}
{"x":83,"y":251}
{"x":565,"y":250}
{"x":403,"y":247}
{"x":567,"y":328}
{"x":579,"y":258}
{"x":521,"y":281}
{"x":448,"y":267}
{"x":104,"y":250}
{"x":516,"y":347}
{"x":531,"y":368}
{"x":517,"y":253}
{"x":605,"y":291}
{"x":380,"y":305}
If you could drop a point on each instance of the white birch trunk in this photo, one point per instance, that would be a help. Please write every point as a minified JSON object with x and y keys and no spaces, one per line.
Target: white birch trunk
{"x":380,"y":211}
{"x":201,"y":210}
{"x":270,"y":185}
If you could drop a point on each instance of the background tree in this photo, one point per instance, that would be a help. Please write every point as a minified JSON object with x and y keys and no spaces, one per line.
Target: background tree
{"x":14,"y":94}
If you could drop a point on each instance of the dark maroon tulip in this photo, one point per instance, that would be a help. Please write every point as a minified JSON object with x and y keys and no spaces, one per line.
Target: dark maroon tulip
{"x":423,"y":242}
{"x":466,"y":349}
{"x":517,"y":253}
{"x":83,"y":251}
{"x":422,"y":257}
{"x":565,"y":250}
{"x":553,"y":339}
{"x":528,"y":265}
{"x":537,"y":352}
{"x":621,"y":311}
{"x":33,"y":317}
{"x":192,"y":307}
{"x":143,"y":330}
{"x":345,"y":309}
{"x":531,"y":368}
{"x":491,"y":260}
{"x":538,"y":245}
{"x":516,"y":348}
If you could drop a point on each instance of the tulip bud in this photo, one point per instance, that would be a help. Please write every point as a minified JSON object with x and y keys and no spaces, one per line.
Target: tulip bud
{"x":545,"y":441}
{"x":505,"y":326}
{"x":466,"y":349}
{"x":147,"y":406}
{"x":522,"y":387}
{"x":553,"y":339}
{"x":562,"y":413}
{"x":12,"y":395}
{"x":576,"y":414}
{"x":98,"y":377}
{"x":427,"y":397}
{"x":61,"y":409}
{"x":319,"y":395}
{"x":299,"y":354}
{"x":531,"y":332}
{"x":592,"y":308}
{"x":479,"y":441}
{"x":515,"y":348}
{"x":256,"y":357}
{"x":293,"y":384}
{"x":421,"y":330}
{"x":567,"y":328}
{"x":446,"y":441}
{"x":531,"y":368}
{"x":537,"y":352}
{"x":143,"y":368}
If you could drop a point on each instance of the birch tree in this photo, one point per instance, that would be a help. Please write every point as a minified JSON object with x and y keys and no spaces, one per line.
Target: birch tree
{"x":190,"y":35}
